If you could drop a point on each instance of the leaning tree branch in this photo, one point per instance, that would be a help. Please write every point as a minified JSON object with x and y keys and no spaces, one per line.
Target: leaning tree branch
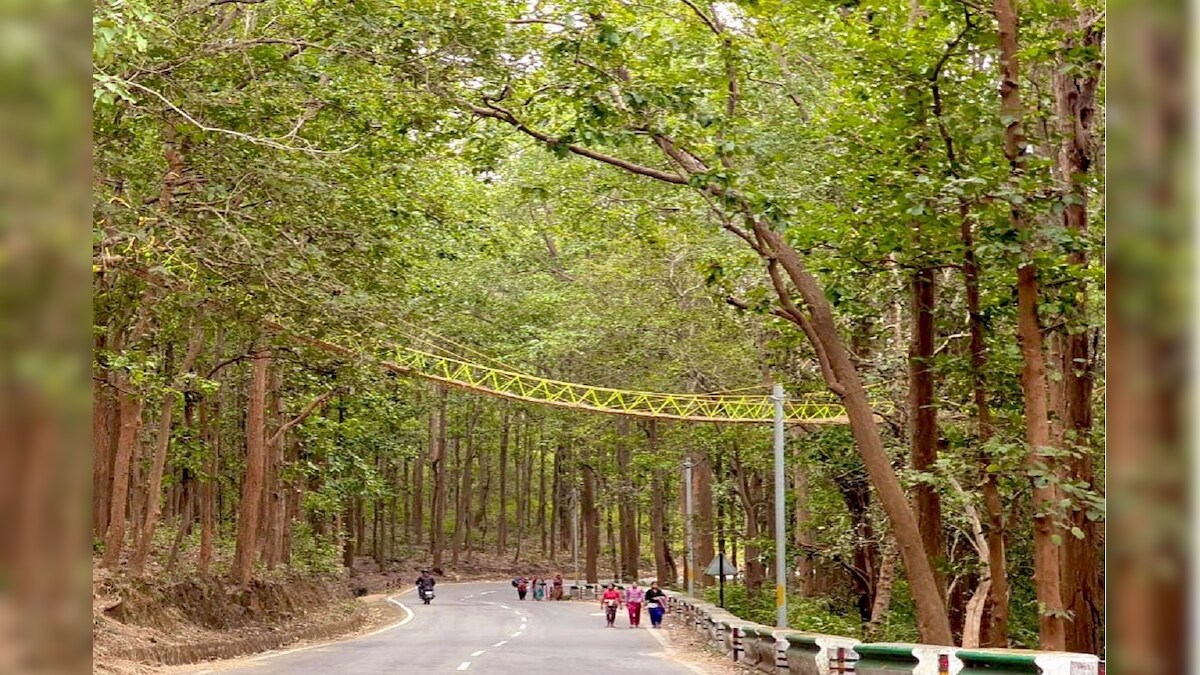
{"x":308,"y":410}
{"x":498,"y":113}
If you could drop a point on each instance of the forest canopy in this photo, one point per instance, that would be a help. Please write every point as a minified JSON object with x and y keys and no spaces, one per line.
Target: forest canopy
{"x":898,"y":205}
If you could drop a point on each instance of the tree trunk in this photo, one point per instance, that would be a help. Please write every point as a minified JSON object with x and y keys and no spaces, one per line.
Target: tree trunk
{"x":129,"y":406}
{"x":105,"y":432}
{"x":857,"y":495}
{"x":541,"y":509}
{"x":591,"y":526}
{"x":923,"y":418}
{"x":163,"y":442}
{"x":933,"y":624}
{"x":883,"y":592}
{"x":437,"y":462}
{"x":502,"y":526}
{"x":702,"y":500}
{"x":274,"y":511}
{"x":1047,"y":572}
{"x":801,"y":536}
{"x":252,"y":485}
{"x":626,"y":500}
{"x":1075,"y":101}
{"x":659,"y":536}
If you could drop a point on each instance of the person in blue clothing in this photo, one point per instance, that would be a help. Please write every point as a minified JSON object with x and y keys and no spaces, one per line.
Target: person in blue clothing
{"x":656,"y":600}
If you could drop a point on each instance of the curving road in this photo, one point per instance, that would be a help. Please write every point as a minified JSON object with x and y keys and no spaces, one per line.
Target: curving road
{"x":483,"y":628}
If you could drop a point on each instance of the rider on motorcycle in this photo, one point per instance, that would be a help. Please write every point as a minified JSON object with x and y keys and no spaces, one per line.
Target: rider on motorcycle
{"x":425,"y":583}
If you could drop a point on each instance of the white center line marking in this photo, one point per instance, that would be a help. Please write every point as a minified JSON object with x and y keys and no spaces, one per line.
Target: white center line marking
{"x":468,"y":597}
{"x":517,"y":634}
{"x":500,"y":643}
{"x":478,"y":652}
{"x":506,"y":607}
{"x":464,"y":665}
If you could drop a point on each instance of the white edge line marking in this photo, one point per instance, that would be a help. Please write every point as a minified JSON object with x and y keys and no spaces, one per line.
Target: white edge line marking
{"x":517,"y":634}
{"x":500,"y":643}
{"x":464,"y":665}
{"x":478,"y":652}
{"x":670,"y":653}
{"x":401,"y":622}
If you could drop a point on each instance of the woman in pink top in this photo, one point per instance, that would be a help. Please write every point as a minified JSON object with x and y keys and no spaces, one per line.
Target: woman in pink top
{"x":634,"y":598}
{"x":609,"y":602}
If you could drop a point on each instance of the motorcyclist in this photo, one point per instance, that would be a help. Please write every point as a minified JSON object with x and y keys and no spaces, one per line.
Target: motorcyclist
{"x":425,"y":582}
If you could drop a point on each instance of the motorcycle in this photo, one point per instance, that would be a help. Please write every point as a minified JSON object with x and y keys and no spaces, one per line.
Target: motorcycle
{"x":426,"y":594}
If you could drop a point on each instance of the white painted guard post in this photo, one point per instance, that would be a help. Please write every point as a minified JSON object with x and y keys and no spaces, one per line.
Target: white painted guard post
{"x":781,"y":617}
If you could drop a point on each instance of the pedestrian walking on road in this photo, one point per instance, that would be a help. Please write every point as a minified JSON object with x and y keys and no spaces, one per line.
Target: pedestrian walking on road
{"x":522,"y":587}
{"x":656,"y":602}
{"x":610,"y":602}
{"x":634,"y":597}
{"x":539,"y":589}
{"x":557,"y":592}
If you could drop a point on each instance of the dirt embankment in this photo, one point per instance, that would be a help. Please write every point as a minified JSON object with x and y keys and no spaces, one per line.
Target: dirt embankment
{"x":141,"y":625}
{"x":143,"y":622}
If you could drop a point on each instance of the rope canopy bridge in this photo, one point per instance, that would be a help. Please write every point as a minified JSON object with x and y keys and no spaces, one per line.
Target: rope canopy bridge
{"x":493,"y":381}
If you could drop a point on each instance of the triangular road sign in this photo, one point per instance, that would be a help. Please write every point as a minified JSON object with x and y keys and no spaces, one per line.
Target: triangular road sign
{"x":720,"y":567}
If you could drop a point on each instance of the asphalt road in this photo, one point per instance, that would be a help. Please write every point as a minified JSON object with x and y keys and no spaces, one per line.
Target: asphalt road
{"x":484,"y":628}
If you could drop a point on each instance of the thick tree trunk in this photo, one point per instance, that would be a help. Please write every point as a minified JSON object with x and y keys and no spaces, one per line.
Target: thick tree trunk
{"x":129,"y":407}
{"x":591,"y":526}
{"x":933,"y":623}
{"x":105,"y":430}
{"x":1075,"y":102}
{"x":252,"y":486}
{"x":1047,"y":572}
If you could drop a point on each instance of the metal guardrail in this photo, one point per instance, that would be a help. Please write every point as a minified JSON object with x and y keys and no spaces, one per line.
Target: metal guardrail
{"x":802,"y":653}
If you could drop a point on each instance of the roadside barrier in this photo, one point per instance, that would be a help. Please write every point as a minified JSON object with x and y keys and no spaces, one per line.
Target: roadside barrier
{"x":792,"y":652}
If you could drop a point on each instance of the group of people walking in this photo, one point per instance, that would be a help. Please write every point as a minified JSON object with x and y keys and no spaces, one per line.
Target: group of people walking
{"x":634,"y":598}
{"x":538,"y":585}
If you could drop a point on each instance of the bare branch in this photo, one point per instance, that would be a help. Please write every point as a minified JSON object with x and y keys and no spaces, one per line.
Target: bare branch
{"x":229,"y":132}
{"x":712,"y":25}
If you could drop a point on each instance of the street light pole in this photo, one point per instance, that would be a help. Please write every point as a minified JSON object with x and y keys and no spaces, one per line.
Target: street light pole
{"x":575,"y":534}
{"x":781,"y":618}
{"x":687,"y":510}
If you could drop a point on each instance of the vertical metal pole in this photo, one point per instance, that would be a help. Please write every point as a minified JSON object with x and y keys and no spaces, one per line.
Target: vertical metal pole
{"x":687,"y":510}
{"x":781,"y":620}
{"x":575,"y":534}
{"x":721,"y":534}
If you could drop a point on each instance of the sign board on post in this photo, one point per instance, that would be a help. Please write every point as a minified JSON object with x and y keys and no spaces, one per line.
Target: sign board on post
{"x":720,"y":567}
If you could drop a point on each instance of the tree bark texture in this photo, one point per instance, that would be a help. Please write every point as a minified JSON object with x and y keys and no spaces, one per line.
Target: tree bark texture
{"x":252,"y":486}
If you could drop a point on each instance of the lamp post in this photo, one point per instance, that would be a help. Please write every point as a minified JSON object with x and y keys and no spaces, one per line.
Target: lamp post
{"x":781,"y":620}
{"x":687,"y":510}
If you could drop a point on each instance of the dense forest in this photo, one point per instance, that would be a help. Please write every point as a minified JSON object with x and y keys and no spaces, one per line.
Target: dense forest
{"x":895,"y":204}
